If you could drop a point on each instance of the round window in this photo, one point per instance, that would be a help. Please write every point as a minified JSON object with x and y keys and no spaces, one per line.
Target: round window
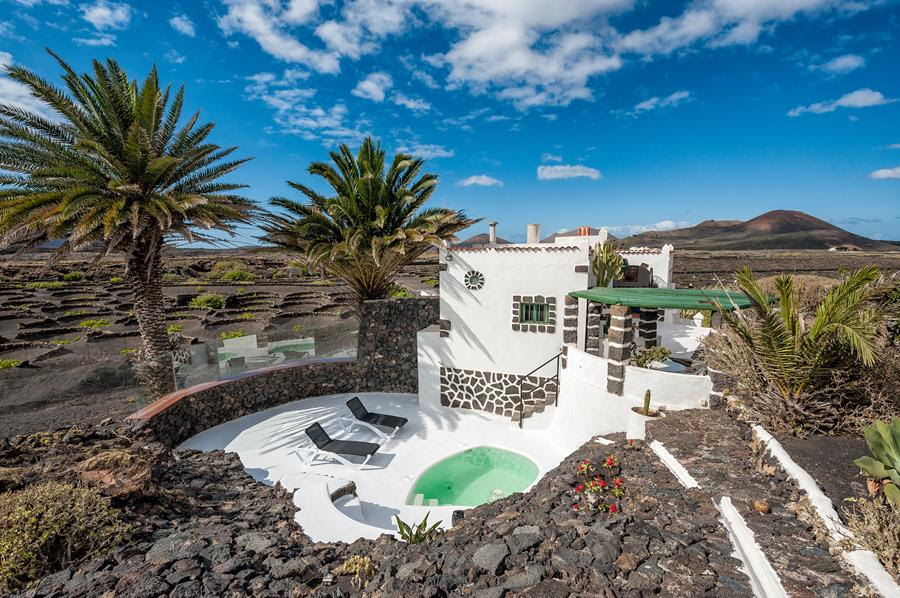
{"x":474,"y":280}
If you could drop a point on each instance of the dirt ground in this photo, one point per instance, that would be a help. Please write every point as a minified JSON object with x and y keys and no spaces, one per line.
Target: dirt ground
{"x":69,"y":374}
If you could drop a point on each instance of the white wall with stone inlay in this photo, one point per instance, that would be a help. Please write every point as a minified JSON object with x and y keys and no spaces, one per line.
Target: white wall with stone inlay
{"x":481,"y":335}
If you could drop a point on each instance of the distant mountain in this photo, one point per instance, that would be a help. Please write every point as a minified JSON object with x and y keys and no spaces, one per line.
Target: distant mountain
{"x":572,"y":233}
{"x":778,"y":229}
{"x":480,"y":240}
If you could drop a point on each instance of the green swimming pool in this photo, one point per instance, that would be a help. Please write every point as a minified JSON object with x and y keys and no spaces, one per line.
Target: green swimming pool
{"x":473,"y":477}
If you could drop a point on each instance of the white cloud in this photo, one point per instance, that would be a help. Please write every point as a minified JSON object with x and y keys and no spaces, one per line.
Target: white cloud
{"x":673,"y":99}
{"x":549,"y":173}
{"x":841,"y":65}
{"x":414,"y":104}
{"x":300,"y":11}
{"x":373,"y":87}
{"x":266,"y":23}
{"x":16,"y":94}
{"x":625,"y":230}
{"x":99,"y":39}
{"x":104,"y":14}
{"x":551,"y":158}
{"x":295,"y":112}
{"x":894,"y":146}
{"x":861,"y":98}
{"x":426,"y":151}
{"x":173,"y":56}
{"x":726,"y":22}
{"x":182,"y":24}
{"x":480,"y":180}
{"x":886,"y":173}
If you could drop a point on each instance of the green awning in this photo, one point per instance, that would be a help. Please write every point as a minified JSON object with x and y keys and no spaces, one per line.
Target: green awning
{"x":664,"y":298}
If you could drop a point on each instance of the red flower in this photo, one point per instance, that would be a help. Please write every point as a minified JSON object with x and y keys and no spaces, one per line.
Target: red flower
{"x":612,"y":508}
{"x":579,"y":487}
{"x":602,"y":483}
{"x":617,"y":482}
{"x":575,"y":507}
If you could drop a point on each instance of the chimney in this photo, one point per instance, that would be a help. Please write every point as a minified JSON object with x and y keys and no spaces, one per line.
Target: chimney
{"x":534,"y":233}
{"x":492,"y":235}
{"x":584,"y":231}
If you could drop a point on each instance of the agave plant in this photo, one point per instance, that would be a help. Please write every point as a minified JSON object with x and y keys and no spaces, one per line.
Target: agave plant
{"x":371,"y":226}
{"x":606,"y":264}
{"x":118,"y":170}
{"x":883,"y":467}
{"x":794,"y":356}
{"x":419,"y":533}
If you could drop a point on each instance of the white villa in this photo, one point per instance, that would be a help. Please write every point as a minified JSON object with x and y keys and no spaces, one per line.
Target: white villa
{"x":523,"y":361}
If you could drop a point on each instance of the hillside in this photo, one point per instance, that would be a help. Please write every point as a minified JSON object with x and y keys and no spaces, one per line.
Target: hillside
{"x":778,"y":229}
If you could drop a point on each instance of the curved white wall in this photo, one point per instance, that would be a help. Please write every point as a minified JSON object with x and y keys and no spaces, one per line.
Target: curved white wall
{"x":674,"y":391}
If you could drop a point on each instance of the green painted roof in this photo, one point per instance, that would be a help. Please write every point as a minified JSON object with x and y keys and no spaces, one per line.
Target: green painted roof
{"x":664,"y":298}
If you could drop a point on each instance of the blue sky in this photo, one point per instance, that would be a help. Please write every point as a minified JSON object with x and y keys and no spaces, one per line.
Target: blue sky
{"x":628,"y":114}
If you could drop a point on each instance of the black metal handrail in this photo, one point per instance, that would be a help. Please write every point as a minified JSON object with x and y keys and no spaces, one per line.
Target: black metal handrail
{"x":539,"y":386}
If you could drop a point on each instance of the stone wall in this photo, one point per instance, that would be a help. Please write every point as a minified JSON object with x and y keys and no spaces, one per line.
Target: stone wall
{"x":496,"y":392}
{"x":386,"y":361}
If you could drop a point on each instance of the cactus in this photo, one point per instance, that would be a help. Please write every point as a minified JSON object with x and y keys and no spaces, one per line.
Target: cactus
{"x":647,"y":403}
{"x":884,"y":464}
{"x":606,"y":264}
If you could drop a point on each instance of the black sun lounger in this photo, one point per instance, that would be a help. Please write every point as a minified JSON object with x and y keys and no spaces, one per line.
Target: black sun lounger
{"x":334,"y":448}
{"x":365,"y":417}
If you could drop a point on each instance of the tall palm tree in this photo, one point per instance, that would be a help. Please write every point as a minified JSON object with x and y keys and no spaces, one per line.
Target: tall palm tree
{"x":801,"y":359}
{"x":371,"y":226}
{"x":118,"y":170}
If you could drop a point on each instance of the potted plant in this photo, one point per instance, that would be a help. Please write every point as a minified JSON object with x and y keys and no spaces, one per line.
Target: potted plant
{"x":638,"y":418}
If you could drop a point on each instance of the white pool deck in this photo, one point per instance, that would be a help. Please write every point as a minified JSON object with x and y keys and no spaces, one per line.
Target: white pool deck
{"x":265,"y":442}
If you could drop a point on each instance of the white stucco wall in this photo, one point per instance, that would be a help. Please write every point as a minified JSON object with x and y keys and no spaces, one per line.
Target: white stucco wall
{"x":674,"y":391}
{"x":431,"y":352}
{"x":661,"y":262}
{"x":481,"y":334}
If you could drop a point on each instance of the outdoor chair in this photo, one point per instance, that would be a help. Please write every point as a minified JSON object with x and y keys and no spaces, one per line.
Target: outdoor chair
{"x":327,"y":448}
{"x":363,"y":417}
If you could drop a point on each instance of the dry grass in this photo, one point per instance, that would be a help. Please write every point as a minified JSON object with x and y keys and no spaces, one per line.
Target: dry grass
{"x":876,"y":526}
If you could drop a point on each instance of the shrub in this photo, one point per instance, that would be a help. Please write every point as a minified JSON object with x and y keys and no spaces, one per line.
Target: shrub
{"x":170,"y":277}
{"x":431,"y":281}
{"x":208,"y":300}
{"x":399,"y":292}
{"x":246,"y":316}
{"x":65,"y":341}
{"x":876,"y":526}
{"x":360,"y":567}
{"x":231,"y":334}
{"x":50,"y":526}
{"x":173,"y":328}
{"x":56,"y":284}
{"x":688,"y":314}
{"x":73,"y":276}
{"x":94,"y":324}
{"x":75,"y":312}
{"x":644,"y":358}
{"x":419,"y":533}
{"x":883,"y":467}
{"x":802,"y":371}
{"x":238,"y":276}
{"x":116,"y":280}
{"x":128,"y":351}
{"x":5,"y":364}
{"x":297,"y":328}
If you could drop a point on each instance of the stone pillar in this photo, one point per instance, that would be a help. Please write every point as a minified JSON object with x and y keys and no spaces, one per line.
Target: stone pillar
{"x":593,"y":342}
{"x":619,"y":349}
{"x":647,"y":326}
{"x":570,"y":321}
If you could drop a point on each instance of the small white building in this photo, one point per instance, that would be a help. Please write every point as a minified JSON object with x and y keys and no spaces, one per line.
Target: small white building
{"x":506,"y":316}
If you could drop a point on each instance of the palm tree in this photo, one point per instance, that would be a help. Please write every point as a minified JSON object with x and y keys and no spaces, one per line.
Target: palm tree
{"x":119,"y":171}
{"x":797,"y":362}
{"x":371,"y":226}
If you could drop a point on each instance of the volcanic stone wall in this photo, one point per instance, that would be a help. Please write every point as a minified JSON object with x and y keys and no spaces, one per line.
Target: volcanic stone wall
{"x":386,"y":361}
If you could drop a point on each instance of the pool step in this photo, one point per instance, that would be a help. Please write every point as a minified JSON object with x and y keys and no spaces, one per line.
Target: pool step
{"x":432,"y":502}
{"x":418,"y":499}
